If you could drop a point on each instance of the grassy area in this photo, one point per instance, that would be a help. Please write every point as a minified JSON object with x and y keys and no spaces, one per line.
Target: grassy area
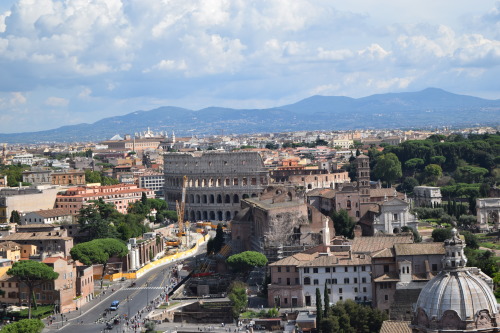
{"x":165,"y":306}
{"x":490,"y":245}
{"x":249,"y":314}
{"x":271,"y":313}
{"x":42,"y":311}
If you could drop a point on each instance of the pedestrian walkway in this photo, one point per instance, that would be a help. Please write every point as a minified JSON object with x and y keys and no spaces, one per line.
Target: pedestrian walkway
{"x":55,"y":322}
{"x":142,"y":288}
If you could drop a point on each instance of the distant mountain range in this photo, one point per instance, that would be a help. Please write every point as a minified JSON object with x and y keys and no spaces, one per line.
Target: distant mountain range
{"x":428,"y":108}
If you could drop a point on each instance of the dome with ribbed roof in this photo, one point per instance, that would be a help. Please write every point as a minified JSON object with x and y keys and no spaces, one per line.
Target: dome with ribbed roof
{"x":461,"y":291}
{"x":459,"y":298}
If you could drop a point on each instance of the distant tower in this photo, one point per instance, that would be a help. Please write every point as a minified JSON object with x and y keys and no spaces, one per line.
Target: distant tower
{"x":363,"y":174}
{"x":173,"y":137}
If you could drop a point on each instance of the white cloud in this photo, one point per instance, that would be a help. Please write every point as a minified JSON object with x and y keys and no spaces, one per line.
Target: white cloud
{"x":475,"y":50}
{"x":2,"y":20}
{"x":373,"y":52}
{"x":326,"y":90}
{"x":96,"y":54}
{"x":85,"y":93}
{"x":334,"y":55}
{"x":393,"y":83}
{"x":212,"y":54}
{"x":171,"y":65}
{"x":56,"y":101}
{"x":17,"y":98}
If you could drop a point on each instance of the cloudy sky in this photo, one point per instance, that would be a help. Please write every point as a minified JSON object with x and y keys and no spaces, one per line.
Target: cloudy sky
{"x":72,"y":61}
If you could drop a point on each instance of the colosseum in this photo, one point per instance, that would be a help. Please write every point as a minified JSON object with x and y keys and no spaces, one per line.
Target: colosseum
{"x":216,"y":182}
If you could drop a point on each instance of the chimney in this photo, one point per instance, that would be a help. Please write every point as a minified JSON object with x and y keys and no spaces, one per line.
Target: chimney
{"x":358,"y":231}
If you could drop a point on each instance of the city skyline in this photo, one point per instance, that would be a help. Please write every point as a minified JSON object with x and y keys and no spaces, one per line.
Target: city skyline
{"x":69,"y":62}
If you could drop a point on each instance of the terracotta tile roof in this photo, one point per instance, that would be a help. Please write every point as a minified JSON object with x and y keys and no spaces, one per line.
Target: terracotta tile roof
{"x":421,"y":277}
{"x":336,"y":259}
{"x":376,"y":243}
{"x":35,"y":226}
{"x":329,"y":194}
{"x":315,"y":192}
{"x":392,"y":326}
{"x":56,"y":212}
{"x":388,"y":277}
{"x":419,"y":249}
{"x":26,"y":236}
{"x":322,"y":261}
{"x":322,"y":192}
{"x":9,"y":246}
{"x":384,"y":253}
{"x":381,"y":192}
{"x":52,"y":260}
{"x":295,"y":260}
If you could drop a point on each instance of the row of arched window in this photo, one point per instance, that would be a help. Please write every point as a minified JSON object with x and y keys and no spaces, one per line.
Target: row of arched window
{"x":216,"y":198}
{"x":210,"y":215}
{"x":216,"y":182}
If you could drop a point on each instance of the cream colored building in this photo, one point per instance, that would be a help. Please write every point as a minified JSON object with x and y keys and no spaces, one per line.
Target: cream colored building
{"x":25,"y":200}
{"x":343,"y":143}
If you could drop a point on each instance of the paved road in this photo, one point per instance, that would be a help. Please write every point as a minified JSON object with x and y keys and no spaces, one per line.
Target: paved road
{"x":132,"y":300}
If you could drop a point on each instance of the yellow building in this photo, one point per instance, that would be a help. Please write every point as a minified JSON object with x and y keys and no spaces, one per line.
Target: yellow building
{"x":10,"y":251}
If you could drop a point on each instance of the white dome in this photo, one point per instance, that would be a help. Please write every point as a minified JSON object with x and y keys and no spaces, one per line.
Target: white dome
{"x":461,"y":290}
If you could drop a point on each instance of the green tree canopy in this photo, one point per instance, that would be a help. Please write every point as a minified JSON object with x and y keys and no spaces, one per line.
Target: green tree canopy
{"x":15,"y":217}
{"x":350,"y":317}
{"x":484,"y":260}
{"x":343,"y":223}
{"x":247,"y":260}
{"x":319,"y":307}
{"x":467,"y":221}
{"x":32,"y":274}
{"x":433,"y":171}
{"x":441,"y":234}
{"x":416,"y":235}
{"x":238,"y":297}
{"x":388,"y":168}
{"x":24,"y":326}
{"x":98,"y":251}
{"x":471,"y":240}
{"x":14,"y":173}
{"x":470,"y":174}
{"x":439,"y":160}
{"x":96,"y":219}
{"x":414,"y":164}
{"x":326,"y":299}
{"x":218,"y":241}
{"x":407,"y":185}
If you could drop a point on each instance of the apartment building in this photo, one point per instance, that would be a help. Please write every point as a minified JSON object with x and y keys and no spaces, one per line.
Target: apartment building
{"x":121,"y":196}
{"x":25,"y":200}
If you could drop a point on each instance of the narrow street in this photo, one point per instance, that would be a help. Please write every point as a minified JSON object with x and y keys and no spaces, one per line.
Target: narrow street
{"x":134,"y":300}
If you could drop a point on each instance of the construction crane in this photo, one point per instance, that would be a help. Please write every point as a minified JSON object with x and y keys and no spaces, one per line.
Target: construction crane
{"x":180,"y":210}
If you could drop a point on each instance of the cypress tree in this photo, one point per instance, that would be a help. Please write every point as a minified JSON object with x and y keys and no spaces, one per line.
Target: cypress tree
{"x":319,"y":308}
{"x":327,"y":302}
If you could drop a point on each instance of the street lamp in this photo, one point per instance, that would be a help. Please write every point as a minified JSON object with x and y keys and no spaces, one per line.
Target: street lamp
{"x":128,"y":308}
